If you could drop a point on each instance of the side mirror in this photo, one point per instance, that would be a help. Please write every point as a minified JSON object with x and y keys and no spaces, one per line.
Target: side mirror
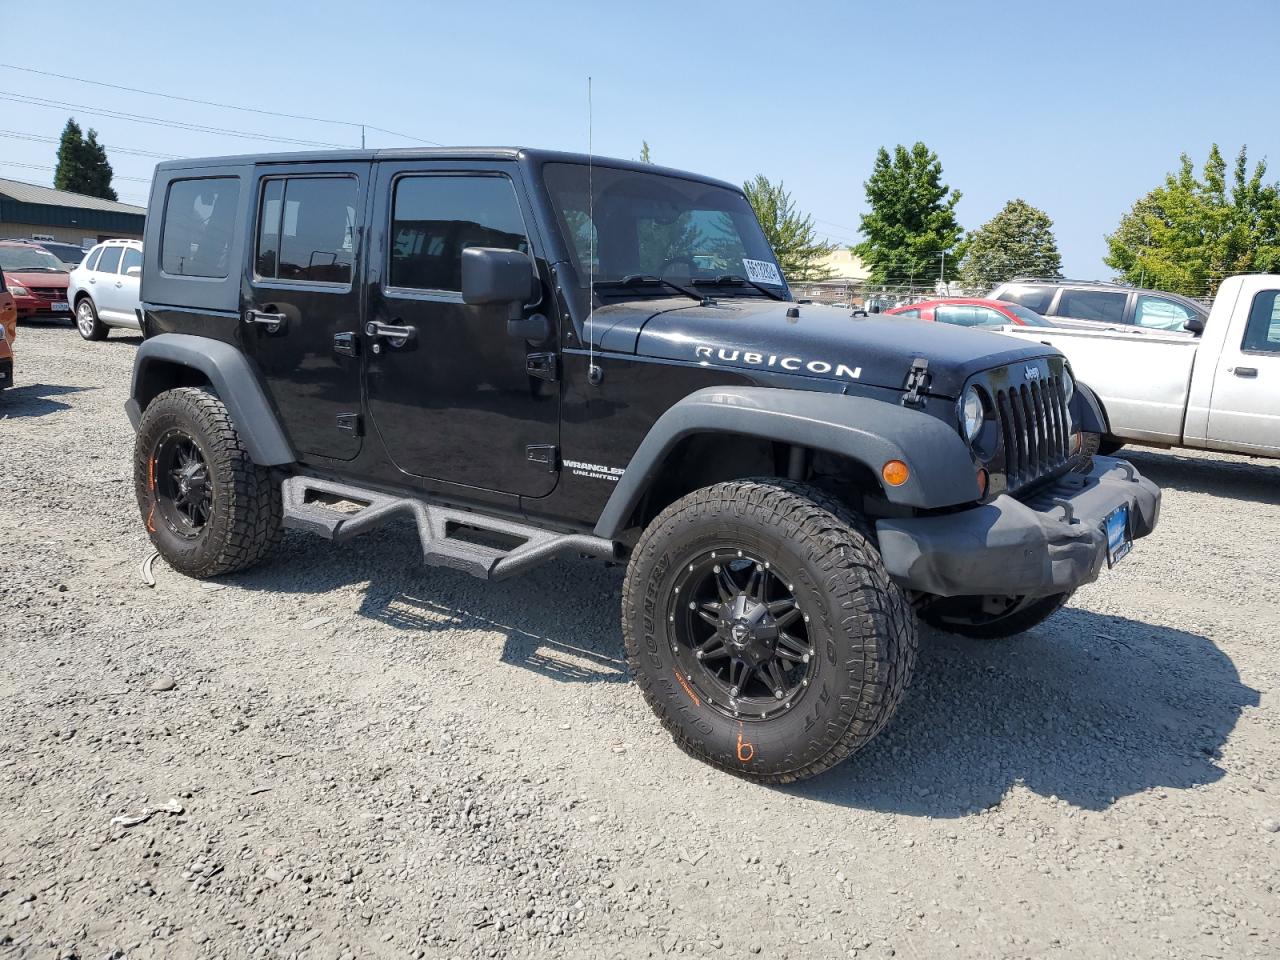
{"x":491,"y":275}
{"x":1194,"y":325}
{"x":133,"y":271}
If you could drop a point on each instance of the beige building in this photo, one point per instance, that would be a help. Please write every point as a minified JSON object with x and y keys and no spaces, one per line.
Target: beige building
{"x":845,"y":265}
{"x":848,"y":278}
{"x":29,"y":211}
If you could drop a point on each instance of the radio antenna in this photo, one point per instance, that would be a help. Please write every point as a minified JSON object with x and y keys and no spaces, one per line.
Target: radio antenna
{"x":594,"y":373}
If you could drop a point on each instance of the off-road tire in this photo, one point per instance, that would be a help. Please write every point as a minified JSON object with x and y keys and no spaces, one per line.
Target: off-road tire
{"x":1110,"y":446}
{"x":244,"y":521}
{"x":88,"y":326}
{"x":860,"y":625}
{"x":1020,"y":621}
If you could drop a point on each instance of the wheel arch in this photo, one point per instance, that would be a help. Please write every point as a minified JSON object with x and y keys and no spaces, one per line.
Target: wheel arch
{"x":763,"y":424}
{"x":181,"y":360}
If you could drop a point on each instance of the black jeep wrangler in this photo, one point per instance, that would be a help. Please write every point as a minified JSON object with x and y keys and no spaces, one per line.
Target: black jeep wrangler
{"x":534,"y":354}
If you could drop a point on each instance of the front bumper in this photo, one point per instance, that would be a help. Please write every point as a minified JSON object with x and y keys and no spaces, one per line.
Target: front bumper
{"x":30,"y":307}
{"x":1051,"y":543}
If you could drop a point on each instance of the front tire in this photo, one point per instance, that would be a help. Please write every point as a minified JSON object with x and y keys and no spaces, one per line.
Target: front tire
{"x":87,"y":322}
{"x":207,"y":507}
{"x":982,"y":618}
{"x":807,"y":645}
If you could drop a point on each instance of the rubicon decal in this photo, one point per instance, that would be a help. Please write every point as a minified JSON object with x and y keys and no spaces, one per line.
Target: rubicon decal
{"x":594,"y":470}
{"x":775,"y":361}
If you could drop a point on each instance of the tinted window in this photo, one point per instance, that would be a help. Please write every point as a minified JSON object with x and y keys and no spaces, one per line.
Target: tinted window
{"x":91,"y":261}
{"x":306,"y":229}
{"x":909,"y":314}
{"x":199,"y":220}
{"x":1092,"y":305}
{"x":1161,"y":314}
{"x":968,"y":315}
{"x":1033,"y":298}
{"x":1028,"y":317}
{"x":109,"y":262}
{"x":1262,"y":335}
{"x":436,"y":218}
{"x":132,"y":258}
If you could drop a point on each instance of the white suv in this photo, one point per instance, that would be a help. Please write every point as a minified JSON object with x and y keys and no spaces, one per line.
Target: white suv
{"x":103,"y":290}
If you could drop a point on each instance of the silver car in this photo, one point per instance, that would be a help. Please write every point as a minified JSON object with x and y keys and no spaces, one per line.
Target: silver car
{"x":103,"y":290}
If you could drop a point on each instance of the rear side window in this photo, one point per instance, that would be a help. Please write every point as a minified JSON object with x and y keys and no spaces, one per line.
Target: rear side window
{"x":91,"y":262}
{"x":132,"y":257}
{"x":307,"y":229}
{"x":909,"y":314}
{"x":109,"y":262}
{"x":1033,"y":298}
{"x":435,"y":218}
{"x":969,"y":315}
{"x":1092,"y":305}
{"x":1161,"y":314}
{"x":199,"y":221}
{"x":1262,"y":335}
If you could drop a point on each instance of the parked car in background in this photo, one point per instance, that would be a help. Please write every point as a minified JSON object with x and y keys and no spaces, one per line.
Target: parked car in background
{"x":1084,"y":303}
{"x":8,"y":331}
{"x":37,"y":279}
{"x":104,"y":288}
{"x":971,"y":312}
{"x":68,"y":253}
{"x":1218,"y":391}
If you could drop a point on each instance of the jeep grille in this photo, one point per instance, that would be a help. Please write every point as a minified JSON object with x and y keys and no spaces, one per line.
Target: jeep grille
{"x":1033,"y":426}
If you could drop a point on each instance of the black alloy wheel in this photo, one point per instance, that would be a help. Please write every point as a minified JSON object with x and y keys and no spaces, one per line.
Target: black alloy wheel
{"x":740,"y":635}
{"x":184,"y":494}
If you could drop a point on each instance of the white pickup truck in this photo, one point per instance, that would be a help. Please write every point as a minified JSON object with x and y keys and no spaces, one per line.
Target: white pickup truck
{"x":1217,"y":391}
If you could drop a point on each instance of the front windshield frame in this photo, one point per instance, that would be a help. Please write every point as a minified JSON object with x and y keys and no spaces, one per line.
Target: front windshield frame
{"x":23,"y":258}
{"x":699,"y":246}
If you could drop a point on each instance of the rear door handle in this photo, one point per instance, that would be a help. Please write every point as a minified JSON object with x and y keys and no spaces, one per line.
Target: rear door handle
{"x":394,"y":335}
{"x":272,"y":321}
{"x":1245,"y":371}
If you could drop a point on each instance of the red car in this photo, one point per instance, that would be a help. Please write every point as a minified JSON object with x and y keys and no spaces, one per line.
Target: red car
{"x":37,"y":279}
{"x":972,"y":312}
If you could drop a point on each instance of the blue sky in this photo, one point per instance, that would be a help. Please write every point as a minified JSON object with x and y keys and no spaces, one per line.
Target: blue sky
{"x":1077,"y":108}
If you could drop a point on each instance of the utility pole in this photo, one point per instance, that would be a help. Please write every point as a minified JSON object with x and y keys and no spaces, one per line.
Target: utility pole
{"x":362,"y":136}
{"x":942,"y":273}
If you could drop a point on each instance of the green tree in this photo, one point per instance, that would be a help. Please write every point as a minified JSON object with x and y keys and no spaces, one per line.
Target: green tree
{"x":912,"y":222}
{"x":82,"y":164}
{"x":644,"y":152}
{"x":1190,"y":232}
{"x":790,"y":233}
{"x":1017,"y":241}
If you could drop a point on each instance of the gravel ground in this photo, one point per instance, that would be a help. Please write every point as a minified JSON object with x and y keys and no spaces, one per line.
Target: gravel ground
{"x":345,"y":754}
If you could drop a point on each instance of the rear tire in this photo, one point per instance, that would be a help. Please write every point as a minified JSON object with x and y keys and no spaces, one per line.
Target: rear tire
{"x":964,"y":616}
{"x":207,"y":507}
{"x":822,"y":580}
{"x":87,"y":322}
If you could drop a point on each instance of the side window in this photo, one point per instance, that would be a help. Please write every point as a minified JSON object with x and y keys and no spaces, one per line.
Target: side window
{"x":109,"y":262}
{"x":952,"y":313}
{"x":1262,"y":335}
{"x":435,"y":218}
{"x":306,"y":229}
{"x":1161,"y":314}
{"x":91,"y":262}
{"x":909,"y":314}
{"x":199,"y":222}
{"x":1092,"y":305}
{"x":1033,"y":298}
{"x":986,"y":317}
{"x":132,"y":258}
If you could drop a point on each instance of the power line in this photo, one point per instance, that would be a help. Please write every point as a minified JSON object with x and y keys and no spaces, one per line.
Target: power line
{"x":214,"y":103}
{"x":37,"y":166}
{"x":18,"y":135}
{"x":158,"y":121}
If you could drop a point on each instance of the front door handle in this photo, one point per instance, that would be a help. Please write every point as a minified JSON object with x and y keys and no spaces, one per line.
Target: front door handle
{"x":119,"y":283}
{"x":1245,"y":371}
{"x":274,"y":322}
{"x":394,"y":335}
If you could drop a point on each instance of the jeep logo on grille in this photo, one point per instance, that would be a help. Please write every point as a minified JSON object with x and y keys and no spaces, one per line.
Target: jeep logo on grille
{"x":1033,"y":372}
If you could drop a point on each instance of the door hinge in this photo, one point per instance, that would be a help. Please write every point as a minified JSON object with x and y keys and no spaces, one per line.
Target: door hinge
{"x":541,"y":365}
{"x":917,"y":383}
{"x":544,"y":453}
{"x":345,"y":343}
{"x":351,"y":423}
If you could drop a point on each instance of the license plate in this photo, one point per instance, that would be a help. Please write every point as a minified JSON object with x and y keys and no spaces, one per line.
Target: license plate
{"x":1119,"y":541}
{"x":61,"y":305}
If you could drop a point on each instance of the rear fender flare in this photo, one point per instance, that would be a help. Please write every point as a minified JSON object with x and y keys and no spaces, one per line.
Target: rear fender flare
{"x":869,"y":431}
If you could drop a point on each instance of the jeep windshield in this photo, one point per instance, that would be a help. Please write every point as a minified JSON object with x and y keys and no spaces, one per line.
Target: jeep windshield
{"x":649,"y":233}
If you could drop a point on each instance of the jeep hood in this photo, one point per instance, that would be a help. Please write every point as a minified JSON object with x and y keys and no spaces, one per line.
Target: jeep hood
{"x":821,"y":342}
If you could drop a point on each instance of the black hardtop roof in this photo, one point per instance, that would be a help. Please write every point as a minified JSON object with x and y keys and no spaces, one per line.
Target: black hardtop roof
{"x":532,"y":156}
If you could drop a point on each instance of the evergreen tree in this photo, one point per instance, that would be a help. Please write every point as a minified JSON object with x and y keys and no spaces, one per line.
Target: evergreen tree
{"x":1017,"y":241}
{"x":82,"y":164}
{"x":790,"y":233}
{"x":644,"y":152}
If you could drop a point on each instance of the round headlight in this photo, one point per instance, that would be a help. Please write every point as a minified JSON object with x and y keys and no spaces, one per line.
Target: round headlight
{"x":1068,"y":385}
{"x":973,"y":412}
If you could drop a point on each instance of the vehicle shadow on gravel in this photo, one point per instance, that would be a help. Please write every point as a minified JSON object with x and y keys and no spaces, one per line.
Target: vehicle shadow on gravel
{"x":1087,"y":708}
{"x":35,"y":400}
{"x":1256,"y":482}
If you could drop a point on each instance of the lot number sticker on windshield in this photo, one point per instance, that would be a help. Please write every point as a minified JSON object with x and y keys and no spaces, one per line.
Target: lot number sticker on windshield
{"x":762,"y":271}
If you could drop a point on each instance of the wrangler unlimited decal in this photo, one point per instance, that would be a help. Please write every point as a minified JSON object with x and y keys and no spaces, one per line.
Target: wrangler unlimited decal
{"x":790,"y":364}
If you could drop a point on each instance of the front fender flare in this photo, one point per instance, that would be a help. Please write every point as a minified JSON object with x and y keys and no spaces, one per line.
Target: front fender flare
{"x":862,"y":429}
{"x":233,"y":380}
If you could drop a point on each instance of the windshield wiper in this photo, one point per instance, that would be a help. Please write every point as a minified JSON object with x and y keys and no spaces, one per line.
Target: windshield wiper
{"x":647,"y":280}
{"x":733,"y":279}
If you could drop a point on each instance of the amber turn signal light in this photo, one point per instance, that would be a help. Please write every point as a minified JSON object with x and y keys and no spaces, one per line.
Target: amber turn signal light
{"x":984,"y":480}
{"x":895,"y":473}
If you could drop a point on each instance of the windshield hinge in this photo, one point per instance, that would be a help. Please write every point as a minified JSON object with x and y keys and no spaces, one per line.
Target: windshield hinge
{"x":917,"y":383}
{"x":543,"y":453}
{"x":541,"y":365}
